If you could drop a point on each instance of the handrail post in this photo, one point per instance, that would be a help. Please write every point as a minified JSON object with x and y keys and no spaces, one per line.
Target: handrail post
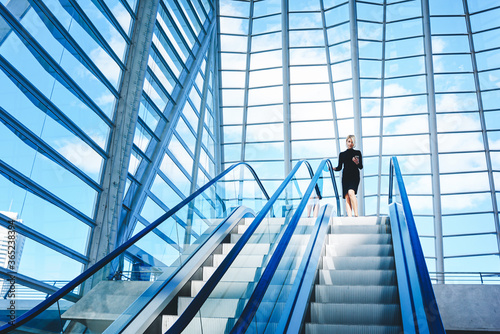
{"x":391,"y":178}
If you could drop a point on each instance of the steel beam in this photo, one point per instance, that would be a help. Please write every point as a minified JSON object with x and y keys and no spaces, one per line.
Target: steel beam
{"x":104,"y":235}
{"x":356,"y":95}
{"x":482,"y":119}
{"x":433,"y":140}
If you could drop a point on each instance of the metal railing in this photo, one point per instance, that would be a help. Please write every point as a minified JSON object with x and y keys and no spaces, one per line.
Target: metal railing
{"x":463,"y":277}
{"x":252,"y":304}
{"x":25,"y":293}
{"x":66,"y":289}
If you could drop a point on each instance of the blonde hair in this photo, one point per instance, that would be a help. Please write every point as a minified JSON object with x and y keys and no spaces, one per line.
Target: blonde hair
{"x":353,"y":138}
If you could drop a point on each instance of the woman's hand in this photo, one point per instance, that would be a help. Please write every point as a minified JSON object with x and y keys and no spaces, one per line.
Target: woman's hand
{"x":355,"y":159}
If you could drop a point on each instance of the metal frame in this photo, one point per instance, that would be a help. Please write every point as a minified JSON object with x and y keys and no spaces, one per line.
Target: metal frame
{"x":157,"y":154}
{"x":58,"y":31}
{"x":105,"y":236}
{"x":483,"y":126}
{"x":57,"y":72}
{"x":420,"y":15}
{"x":434,"y":149}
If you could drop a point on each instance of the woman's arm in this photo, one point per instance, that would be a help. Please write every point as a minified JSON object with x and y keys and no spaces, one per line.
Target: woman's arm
{"x":360,"y":164}
{"x":339,"y":167}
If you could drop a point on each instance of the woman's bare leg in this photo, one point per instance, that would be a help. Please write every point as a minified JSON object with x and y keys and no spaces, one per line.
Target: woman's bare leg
{"x":348,"y":205}
{"x":354,"y":201}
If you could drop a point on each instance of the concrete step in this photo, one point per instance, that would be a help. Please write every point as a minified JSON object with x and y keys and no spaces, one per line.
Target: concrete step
{"x":352,"y":294}
{"x":357,"y":262}
{"x":351,"y":329}
{"x":360,"y":250}
{"x":356,"y":314}
{"x":357,"y":277}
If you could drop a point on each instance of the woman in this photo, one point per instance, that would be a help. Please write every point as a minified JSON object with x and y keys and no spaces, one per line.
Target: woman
{"x":353,"y":162}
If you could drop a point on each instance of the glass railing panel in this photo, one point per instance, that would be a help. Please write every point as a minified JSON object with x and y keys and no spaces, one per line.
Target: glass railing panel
{"x":278,"y":292}
{"x":240,"y":187}
{"x":271,"y":308}
{"x":229,"y":294}
{"x":155,"y":250}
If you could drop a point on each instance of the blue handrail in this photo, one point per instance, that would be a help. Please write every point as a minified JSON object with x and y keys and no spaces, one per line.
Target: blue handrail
{"x":295,"y":308}
{"x":332,"y":177}
{"x":59,"y":294}
{"x":253,"y":303}
{"x":416,"y":293}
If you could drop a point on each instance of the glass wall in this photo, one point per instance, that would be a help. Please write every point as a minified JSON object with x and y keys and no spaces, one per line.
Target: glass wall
{"x":414,"y":78}
{"x":61,"y":72}
{"x":175,"y":136}
{"x":62,"y":67}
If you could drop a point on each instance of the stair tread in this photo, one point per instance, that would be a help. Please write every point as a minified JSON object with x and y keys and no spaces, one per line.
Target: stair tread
{"x":351,"y":329}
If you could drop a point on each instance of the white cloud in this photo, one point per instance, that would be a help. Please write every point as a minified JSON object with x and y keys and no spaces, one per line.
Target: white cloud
{"x":122,"y":16}
{"x":460,"y":203}
{"x":494,"y":79}
{"x":235,"y":26}
{"x":104,"y":61}
{"x":229,"y":9}
{"x":370,"y":31}
{"x":307,"y":56}
{"x":233,"y":43}
{"x":265,"y":60}
{"x":459,"y":183}
{"x":306,"y":38}
{"x":106,"y":99}
{"x":438,"y":45}
{"x":81,"y":155}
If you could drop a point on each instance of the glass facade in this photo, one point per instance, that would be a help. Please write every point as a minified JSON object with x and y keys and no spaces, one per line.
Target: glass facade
{"x":268,"y":82}
{"x":69,"y":71}
{"x":413,"y":78}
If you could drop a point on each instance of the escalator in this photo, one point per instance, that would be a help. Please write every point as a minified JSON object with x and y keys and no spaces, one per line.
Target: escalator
{"x":262,"y":266}
{"x":356,"y":289}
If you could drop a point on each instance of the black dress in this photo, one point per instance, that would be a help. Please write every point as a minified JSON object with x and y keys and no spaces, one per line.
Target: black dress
{"x":350,"y":176}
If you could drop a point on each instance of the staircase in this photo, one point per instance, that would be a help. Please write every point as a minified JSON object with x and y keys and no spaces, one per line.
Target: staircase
{"x":356,"y":290}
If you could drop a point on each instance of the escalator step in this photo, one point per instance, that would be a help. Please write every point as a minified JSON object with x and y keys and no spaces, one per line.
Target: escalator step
{"x":356,"y":314}
{"x":351,"y":329}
